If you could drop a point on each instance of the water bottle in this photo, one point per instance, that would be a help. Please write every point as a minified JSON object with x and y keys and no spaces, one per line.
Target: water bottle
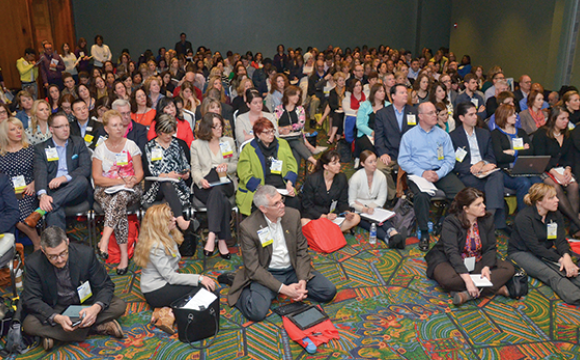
{"x":373,"y":235}
{"x":18,"y":279}
{"x":430,"y":225}
{"x":310,"y":347}
{"x":418,"y":234}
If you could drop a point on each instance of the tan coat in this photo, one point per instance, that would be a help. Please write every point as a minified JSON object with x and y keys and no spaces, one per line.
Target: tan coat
{"x":201,"y":160}
{"x":257,"y":258}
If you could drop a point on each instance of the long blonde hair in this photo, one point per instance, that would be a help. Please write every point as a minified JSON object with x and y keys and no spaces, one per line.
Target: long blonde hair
{"x":34,"y":110}
{"x":4,"y":127}
{"x":155,"y":232}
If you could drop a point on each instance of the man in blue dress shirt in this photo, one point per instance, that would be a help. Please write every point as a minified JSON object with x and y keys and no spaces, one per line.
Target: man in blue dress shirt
{"x":427,"y":152}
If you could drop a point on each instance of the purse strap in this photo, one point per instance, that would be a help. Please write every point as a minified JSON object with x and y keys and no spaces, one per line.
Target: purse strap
{"x":190,"y":320}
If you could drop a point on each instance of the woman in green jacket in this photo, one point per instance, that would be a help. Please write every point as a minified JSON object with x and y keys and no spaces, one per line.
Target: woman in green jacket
{"x":266,"y":160}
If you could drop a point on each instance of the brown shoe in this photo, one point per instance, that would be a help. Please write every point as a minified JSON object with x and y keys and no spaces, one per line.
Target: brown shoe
{"x":461,"y":297}
{"x":111,"y":328}
{"x":47,"y":343}
{"x":32,"y":219}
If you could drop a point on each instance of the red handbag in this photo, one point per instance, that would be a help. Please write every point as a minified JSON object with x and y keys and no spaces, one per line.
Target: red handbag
{"x":323,"y":235}
{"x":318,"y":334}
{"x":114,"y":251}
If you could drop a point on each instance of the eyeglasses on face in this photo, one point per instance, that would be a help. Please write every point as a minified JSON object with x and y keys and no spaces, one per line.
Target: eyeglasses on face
{"x":58,"y":256}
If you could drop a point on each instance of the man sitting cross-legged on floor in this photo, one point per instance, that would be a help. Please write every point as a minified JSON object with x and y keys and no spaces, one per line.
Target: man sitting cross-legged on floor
{"x":64,"y":274}
{"x":276,"y":259}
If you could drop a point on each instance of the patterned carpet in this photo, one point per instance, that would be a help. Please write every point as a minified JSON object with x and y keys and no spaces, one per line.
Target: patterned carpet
{"x":385,"y":309}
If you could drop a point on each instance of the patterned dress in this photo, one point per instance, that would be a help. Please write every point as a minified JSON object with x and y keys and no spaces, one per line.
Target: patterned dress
{"x":21,"y":163}
{"x":173,"y":160}
{"x":36,"y":136}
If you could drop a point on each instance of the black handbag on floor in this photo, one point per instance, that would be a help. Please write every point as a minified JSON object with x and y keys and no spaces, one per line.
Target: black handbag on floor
{"x":194,"y":325}
{"x":518,"y":285}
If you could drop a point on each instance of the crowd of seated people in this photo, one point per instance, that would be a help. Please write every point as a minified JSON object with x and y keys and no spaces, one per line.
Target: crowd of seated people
{"x":187,"y":128}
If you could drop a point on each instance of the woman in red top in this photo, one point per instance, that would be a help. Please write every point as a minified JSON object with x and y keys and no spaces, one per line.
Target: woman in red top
{"x":167,"y":106}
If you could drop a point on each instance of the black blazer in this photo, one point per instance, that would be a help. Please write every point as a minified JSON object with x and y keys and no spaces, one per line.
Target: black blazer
{"x":452,"y":242}
{"x":92,"y":129}
{"x":40,"y":293}
{"x":9,"y":212}
{"x":138,"y":135}
{"x":78,"y":162}
{"x":576,"y":141}
{"x":561,"y":156}
{"x":316,"y":200}
{"x":387,"y":133}
{"x":459,"y":138}
{"x":501,"y":142}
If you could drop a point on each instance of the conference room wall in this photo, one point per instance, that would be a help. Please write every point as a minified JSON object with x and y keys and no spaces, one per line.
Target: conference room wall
{"x":522,"y":37}
{"x":260,"y":25}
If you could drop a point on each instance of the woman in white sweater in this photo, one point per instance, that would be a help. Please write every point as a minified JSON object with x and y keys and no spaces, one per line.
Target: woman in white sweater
{"x":100,"y":52}
{"x":158,"y":254}
{"x":367,"y":190}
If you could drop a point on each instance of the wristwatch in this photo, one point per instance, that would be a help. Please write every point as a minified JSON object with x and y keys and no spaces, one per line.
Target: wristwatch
{"x":200,"y":279}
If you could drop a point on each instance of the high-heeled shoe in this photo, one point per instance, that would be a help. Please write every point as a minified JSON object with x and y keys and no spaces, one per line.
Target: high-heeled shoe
{"x":122,"y":271}
{"x":208,"y":253}
{"x":102,"y":254}
{"x":224,"y":256}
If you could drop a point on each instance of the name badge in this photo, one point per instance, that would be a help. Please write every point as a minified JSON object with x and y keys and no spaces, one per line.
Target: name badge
{"x":518,"y":143}
{"x":469,"y":263}
{"x":276,"y":167}
{"x":84,"y":291}
{"x":82,"y":54}
{"x":411,"y":120}
{"x":89,"y":128}
{"x":333,"y":205}
{"x":19,"y":183}
{"x":156,"y":154}
{"x":475,"y":101}
{"x":265,"y":237}
{"x":552,"y":231}
{"x":51,"y":154}
{"x":226,"y":150}
{"x":89,"y":138}
{"x":121,"y":159}
{"x":460,"y":154}
{"x":571,"y":126}
{"x":440,"y":155}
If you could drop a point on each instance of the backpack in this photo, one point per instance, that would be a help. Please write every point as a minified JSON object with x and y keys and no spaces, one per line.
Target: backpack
{"x":404,"y":215}
{"x":16,"y":341}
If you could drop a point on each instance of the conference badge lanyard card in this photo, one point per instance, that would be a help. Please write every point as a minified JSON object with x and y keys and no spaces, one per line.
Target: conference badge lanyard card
{"x":460,"y":154}
{"x":518,"y":144}
{"x":51,"y":154}
{"x":121,"y":159}
{"x":84,"y":291}
{"x":469,"y":263}
{"x":156,"y":154}
{"x":226,"y":150}
{"x":411,"y":120}
{"x":19,"y":183}
{"x":440,"y":153}
{"x":265,"y":236}
{"x":276,"y":167}
{"x":552,"y":229}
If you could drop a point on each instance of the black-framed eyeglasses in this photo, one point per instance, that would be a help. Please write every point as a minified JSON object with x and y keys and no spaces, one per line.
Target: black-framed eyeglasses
{"x":58,"y":256}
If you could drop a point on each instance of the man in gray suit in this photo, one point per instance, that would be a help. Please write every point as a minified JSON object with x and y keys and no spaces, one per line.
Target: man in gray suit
{"x":62,"y":166}
{"x":276,"y":260}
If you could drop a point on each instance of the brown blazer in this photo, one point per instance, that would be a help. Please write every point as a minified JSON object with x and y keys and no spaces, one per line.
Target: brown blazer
{"x":257,"y":258}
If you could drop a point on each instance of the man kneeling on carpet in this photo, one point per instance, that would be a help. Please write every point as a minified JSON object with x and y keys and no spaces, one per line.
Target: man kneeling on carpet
{"x":65,"y":274}
{"x":276,"y":259}
{"x":158,"y":254}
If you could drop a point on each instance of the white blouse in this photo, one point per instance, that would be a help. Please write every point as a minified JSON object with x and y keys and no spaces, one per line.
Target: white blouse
{"x":358,"y":190}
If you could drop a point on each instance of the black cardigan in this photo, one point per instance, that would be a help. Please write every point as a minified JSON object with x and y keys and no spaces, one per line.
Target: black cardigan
{"x":316,"y":200}
{"x":501,"y":142}
{"x":561,"y":156}
{"x":452,"y":242}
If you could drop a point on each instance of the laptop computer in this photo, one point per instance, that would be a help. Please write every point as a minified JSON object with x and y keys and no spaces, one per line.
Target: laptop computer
{"x":529,"y":165}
